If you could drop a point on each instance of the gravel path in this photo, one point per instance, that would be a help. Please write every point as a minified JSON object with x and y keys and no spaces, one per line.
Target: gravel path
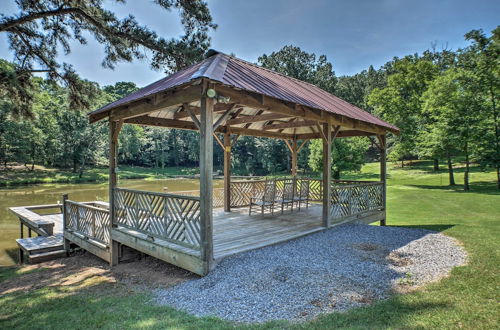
{"x":335,"y":270}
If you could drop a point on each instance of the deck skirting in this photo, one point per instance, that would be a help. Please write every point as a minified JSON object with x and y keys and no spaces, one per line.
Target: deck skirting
{"x":96,"y":248}
{"x":179,"y":256}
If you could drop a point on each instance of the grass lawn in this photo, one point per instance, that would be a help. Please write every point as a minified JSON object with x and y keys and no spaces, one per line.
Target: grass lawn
{"x":417,"y":197}
{"x":20,"y":175}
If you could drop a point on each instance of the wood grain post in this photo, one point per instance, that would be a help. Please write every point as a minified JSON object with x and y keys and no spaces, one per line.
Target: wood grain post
{"x":327,"y":172}
{"x":66,"y":243}
{"x":114,"y":130}
{"x":227,"y":171}
{"x":294,"y":157}
{"x":383,"y":176}
{"x":206,"y":168}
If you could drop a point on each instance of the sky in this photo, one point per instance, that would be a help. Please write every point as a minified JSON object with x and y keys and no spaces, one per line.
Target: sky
{"x":353,"y":34}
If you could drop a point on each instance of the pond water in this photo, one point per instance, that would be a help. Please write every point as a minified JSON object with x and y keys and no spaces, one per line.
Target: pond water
{"x":50,"y":194}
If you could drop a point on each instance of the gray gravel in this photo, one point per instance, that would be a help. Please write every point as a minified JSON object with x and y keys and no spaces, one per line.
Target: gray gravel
{"x":335,"y":270}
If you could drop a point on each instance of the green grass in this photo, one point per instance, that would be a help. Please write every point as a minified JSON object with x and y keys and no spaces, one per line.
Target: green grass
{"x":417,"y":197}
{"x":43,"y":175}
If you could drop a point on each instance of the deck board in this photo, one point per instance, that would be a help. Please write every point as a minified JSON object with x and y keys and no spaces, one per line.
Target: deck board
{"x":236,"y":231}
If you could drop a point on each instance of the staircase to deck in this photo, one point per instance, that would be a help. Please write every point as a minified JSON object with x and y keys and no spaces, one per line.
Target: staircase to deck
{"x":41,"y":248}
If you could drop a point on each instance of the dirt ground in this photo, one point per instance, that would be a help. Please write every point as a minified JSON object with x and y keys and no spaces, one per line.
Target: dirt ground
{"x":142,"y":273}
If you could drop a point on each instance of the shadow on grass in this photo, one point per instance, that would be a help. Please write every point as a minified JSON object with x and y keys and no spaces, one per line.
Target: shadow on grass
{"x":13,"y":253}
{"x":480,"y":187}
{"x":436,"y":227}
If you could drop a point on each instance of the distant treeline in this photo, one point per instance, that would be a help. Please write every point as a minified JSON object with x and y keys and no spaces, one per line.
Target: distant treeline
{"x":445,"y":103}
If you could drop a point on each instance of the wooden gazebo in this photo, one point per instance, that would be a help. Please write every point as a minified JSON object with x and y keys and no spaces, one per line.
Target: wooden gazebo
{"x":223,"y":95}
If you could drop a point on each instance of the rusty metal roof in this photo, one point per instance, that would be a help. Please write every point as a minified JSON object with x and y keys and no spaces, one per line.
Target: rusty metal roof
{"x":237,"y":73}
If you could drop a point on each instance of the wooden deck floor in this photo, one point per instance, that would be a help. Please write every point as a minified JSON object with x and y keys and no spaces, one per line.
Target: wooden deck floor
{"x":236,"y":231}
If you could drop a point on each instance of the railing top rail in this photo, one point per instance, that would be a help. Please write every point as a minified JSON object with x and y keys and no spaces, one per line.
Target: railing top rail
{"x":90,"y":207}
{"x":364,"y":184}
{"x":195,"y":191}
{"x":246,"y":181}
{"x":196,"y":198}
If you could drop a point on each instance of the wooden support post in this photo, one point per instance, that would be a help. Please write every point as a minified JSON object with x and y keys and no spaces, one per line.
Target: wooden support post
{"x":114,"y":130}
{"x":227,"y":171}
{"x":294,"y":157}
{"x":29,"y":232}
{"x":66,"y":243}
{"x":383,"y":176}
{"x":327,"y":164}
{"x":206,"y":168}
{"x":21,"y":229}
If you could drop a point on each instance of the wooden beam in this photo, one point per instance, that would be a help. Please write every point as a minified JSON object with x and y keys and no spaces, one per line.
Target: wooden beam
{"x":294,"y":151}
{"x":288,"y":145}
{"x":223,"y":117}
{"x":206,"y":186}
{"x":189,"y":125}
{"x":193,"y":117}
{"x":335,"y":132}
{"x":227,"y":171}
{"x":117,"y":130}
{"x":302,"y":145}
{"x":383,"y":175}
{"x":235,"y":138}
{"x":267,"y":103}
{"x":381,"y":141}
{"x":320,"y":130}
{"x":219,"y":141}
{"x":256,"y":119}
{"x":259,"y":133}
{"x":340,"y":134}
{"x":114,"y":130}
{"x":158,"y":102}
{"x":162,"y":122}
{"x":219,"y":107}
{"x":374,"y":143}
{"x":327,"y":164}
{"x":289,"y":125}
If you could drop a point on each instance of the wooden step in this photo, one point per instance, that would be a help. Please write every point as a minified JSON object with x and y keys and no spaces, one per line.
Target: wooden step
{"x":46,"y":256}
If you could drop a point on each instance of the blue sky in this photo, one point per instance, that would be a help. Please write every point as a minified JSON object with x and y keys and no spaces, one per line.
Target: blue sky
{"x":352,"y":34}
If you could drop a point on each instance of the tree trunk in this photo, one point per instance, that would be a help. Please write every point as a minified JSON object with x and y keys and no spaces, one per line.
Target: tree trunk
{"x":402,"y":163}
{"x":498,"y":176}
{"x":450,"y":171}
{"x":336,"y":174}
{"x":466,"y":173}
{"x":436,"y":165}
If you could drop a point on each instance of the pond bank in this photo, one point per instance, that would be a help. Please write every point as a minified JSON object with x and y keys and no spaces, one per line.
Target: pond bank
{"x":19,"y":175}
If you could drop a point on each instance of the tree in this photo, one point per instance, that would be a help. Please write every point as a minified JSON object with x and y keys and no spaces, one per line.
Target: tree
{"x":454,"y":103}
{"x":42,"y":28}
{"x":294,"y":62}
{"x":348,"y":154}
{"x":483,"y":58}
{"x":400,"y":103}
{"x":355,"y":89}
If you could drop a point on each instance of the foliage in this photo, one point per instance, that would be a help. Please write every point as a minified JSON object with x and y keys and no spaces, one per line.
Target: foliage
{"x":296,"y":63}
{"x":445,"y":103}
{"x":400,"y":102}
{"x":347,"y":155}
{"x":41,"y":29}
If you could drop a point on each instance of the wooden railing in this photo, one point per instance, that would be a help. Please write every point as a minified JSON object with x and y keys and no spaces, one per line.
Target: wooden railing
{"x":348,"y":197}
{"x":355,"y":198}
{"x":87,"y":220}
{"x":242,"y":191}
{"x":217,"y":197}
{"x":174,"y":218}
